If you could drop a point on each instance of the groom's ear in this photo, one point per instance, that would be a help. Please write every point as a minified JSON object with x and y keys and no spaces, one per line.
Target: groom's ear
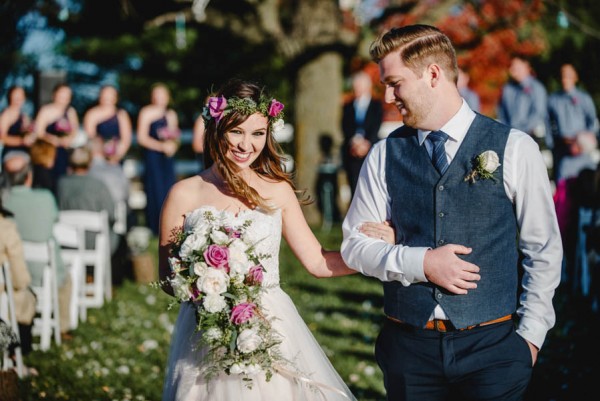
{"x":434,"y":74}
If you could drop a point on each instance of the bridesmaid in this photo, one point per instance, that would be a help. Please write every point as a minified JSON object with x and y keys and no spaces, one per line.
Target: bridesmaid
{"x":57,"y":123}
{"x":15,"y":126}
{"x":110,"y":123}
{"x":157,"y":128}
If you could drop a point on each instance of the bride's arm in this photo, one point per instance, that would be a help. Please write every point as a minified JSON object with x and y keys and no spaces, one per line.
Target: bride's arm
{"x":318,"y":261}
{"x":172,"y":214}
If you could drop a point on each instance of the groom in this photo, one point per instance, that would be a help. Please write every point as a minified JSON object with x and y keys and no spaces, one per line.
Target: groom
{"x":467,"y":196}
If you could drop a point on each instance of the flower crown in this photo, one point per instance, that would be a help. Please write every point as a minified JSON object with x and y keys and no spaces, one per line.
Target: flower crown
{"x":218,"y":107}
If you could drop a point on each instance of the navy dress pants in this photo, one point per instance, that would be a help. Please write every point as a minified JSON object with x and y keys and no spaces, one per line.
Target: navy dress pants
{"x":485,"y":363}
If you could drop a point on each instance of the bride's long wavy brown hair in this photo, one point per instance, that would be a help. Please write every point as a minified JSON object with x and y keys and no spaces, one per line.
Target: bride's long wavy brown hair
{"x":269,"y":163}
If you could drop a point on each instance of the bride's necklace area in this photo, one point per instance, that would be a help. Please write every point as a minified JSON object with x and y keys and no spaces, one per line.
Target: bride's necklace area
{"x":233,"y":204}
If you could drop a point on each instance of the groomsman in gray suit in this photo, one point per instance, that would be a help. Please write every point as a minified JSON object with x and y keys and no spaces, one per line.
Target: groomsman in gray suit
{"x":467,"y":196}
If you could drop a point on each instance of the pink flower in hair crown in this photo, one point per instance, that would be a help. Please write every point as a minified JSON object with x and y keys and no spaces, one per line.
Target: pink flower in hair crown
{"x":275,"y":108}
{"x":216,"y":106}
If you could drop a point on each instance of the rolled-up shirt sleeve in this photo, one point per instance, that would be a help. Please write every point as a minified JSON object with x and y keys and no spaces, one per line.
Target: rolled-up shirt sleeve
{"x":526,"y":182}
{"x":371,"y":203}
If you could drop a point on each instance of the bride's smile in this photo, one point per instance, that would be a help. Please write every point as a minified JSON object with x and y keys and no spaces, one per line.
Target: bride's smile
{"x":247,"y":140}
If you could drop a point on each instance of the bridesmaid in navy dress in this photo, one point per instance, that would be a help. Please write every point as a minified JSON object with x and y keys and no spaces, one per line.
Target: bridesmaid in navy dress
{"x":155,"y":128}
{"x":15,"y":126}
{"x":57,"y":122}
{"x":110,"y":123}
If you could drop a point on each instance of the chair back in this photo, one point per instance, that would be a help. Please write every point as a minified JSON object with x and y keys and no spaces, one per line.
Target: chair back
{"x":7,"y":313}
{"x":48,"y":322}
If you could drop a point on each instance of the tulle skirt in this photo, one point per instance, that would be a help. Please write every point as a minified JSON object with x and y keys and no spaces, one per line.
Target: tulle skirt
{"x":312,"y":378}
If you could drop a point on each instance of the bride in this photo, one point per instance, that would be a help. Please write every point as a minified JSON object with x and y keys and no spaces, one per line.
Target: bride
{"x":245,"y":181}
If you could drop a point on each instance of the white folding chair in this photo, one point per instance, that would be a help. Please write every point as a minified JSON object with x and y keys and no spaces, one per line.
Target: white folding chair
{"x":48,"y":321}
{"x":72,"y":246}
{"x":7,"y":313}
{"x":120,"y":224}
{"x":98,"y":257}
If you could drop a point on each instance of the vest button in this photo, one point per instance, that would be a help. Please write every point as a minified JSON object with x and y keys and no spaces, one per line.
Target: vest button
{"x":441,"y":242}
{"x":441,"y":188}
{"x":439,"y":296}
{"x":441,"y":214}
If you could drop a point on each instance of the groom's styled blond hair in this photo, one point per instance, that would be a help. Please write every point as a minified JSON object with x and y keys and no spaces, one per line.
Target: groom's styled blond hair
{"x":419,"y":45}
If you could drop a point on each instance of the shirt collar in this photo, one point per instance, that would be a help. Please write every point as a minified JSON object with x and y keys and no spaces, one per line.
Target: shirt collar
{"x":456,"y":127}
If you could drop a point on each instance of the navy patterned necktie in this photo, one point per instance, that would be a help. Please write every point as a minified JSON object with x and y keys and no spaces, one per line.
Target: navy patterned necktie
{"x":438,"y":154}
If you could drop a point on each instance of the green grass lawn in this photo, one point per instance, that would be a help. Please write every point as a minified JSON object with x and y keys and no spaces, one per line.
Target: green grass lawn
{"x":121,"y":351}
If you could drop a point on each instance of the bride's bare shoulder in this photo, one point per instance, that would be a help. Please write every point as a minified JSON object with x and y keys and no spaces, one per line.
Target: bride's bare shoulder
{"x":188,"y":189}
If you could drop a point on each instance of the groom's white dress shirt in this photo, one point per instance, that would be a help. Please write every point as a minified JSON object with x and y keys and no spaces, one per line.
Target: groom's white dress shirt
{"x":526,"y":185}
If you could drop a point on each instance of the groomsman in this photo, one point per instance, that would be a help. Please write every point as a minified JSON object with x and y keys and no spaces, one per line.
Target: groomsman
{"x":467,"y":196}
{"x":361,"y":120}
{"x":572,"y":114}
{"x":523,"y":104}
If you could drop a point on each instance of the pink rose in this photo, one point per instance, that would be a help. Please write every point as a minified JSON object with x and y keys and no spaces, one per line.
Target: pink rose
{"x":217,"y":256}
{"x":216,"y":106}
{"x":233,"y":233}
{"x":255,"y":275}
{"x":275,"y":108}
{"x":243,"y":312}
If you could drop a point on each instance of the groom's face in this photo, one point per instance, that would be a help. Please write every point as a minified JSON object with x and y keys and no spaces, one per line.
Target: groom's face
{"x":408,"y":91}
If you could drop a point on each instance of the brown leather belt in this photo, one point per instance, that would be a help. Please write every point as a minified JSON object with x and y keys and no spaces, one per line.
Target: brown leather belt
{"x":444,"y":326}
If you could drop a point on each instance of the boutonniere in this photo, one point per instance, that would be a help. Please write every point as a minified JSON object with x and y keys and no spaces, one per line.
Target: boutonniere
{"x":484,"y":166}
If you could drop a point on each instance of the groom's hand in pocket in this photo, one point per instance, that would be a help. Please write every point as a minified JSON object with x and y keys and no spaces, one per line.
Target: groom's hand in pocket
{"x":443,"y":267}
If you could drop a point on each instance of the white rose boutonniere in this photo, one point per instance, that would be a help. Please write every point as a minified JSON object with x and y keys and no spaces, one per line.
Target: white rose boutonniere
{"x":484,"y":166}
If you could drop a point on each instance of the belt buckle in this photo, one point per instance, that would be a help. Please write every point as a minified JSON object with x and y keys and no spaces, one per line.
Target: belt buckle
{"x":440,"y":326}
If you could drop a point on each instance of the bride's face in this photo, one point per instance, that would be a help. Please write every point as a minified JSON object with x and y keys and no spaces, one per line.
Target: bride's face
{"x":247,"y":140}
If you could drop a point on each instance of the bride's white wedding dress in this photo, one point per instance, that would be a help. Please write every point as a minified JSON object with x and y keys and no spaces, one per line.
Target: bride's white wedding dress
{"x":312,"y":376}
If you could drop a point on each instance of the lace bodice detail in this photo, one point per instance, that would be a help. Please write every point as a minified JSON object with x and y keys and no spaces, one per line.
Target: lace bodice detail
{"x":266,"y":226}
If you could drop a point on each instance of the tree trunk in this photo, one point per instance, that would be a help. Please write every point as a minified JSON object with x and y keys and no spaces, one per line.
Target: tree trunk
{"x":317,"y":102}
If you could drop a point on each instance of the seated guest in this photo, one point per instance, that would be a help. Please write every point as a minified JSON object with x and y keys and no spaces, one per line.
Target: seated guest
{"x":11,"y":251}
{"x":42,"y":155}
{"x":35,"y":212}
{"x":80,"y":191}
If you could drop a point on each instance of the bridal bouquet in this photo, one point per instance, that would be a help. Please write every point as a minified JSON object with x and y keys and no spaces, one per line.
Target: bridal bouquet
{"x":214,"y":265}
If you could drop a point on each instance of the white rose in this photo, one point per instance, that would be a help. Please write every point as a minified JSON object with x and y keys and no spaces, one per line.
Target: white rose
{"x":277,"y":126}
{"x":489,"y":161}
{"x":219,"y":237}
{"x":236,"y":369}
{"x":214,"y":303}
{"x":212,"y":334}
{"x":196,"y":241}
{"x":196,"y":222}
{"x":248,"y":340}
{"x":253,"y":369}
{"x":214,"y":281}
{"x":200,"y":268}
{"x":238,"y":259}
{"x":181,"y":289}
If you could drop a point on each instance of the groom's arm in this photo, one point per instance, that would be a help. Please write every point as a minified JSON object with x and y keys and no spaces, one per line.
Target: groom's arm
{"x":372,"y":203}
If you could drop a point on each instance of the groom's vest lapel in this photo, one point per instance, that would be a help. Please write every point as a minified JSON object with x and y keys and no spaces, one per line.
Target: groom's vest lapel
{"x":429,"y":210}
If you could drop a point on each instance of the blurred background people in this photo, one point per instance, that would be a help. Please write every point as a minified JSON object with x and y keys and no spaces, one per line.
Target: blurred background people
{"x":157,"y":134}
{"x":43,"y":154}
{"x":35,"y":212}
{"x":523,"y":103}
{"x":80,"y":191}
{"x":573,"y":124}
{"x":109,"y":123}
{"x":361,"y":120}
{"x":16,"y":130}
{"x":327,"y":187}
{"x":470,"y":96}
{"x":11,"y":251}
{"x":198,"y":141}
{"x":58,"y":123}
